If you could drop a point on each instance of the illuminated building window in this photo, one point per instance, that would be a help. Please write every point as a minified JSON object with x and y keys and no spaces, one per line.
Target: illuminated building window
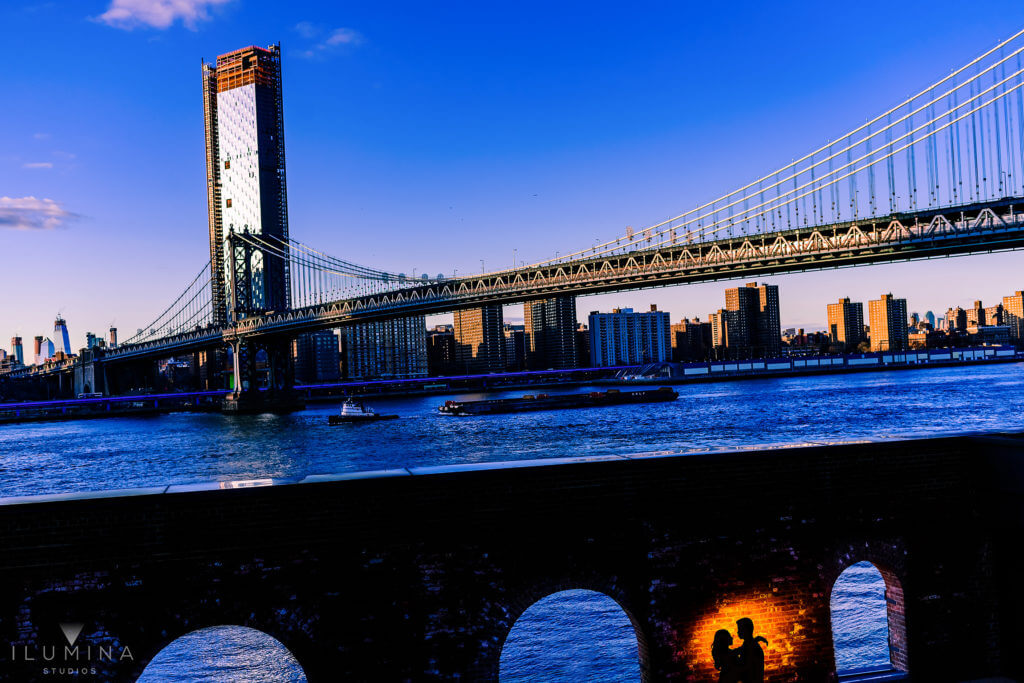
{"x":228,"y":203}
{"x":227,"y":164}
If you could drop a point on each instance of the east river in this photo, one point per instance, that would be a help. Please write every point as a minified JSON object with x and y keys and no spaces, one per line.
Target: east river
{"x":569,"y":636}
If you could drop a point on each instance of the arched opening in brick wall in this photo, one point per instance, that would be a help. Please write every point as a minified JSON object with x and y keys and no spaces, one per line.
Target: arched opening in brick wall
{"x":572,"y":635}
{"x":868,"y":626}
{"x":224,"y":654}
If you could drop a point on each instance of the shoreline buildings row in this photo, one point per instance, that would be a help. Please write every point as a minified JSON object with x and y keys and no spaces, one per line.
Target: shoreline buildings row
{"x":551,"y":338}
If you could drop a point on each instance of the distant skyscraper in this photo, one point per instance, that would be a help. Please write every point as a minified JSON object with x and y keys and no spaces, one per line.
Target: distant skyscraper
{"x":624,"y":337}
{"x":62,"y":343}
{"x":44,"y":350}
{"x":929,"y":318}
{"x":479,"y":340}
{"x":245,"y":169}
{"x":888,"y":320}
{"x":17,"y":350}
{"x":551,"y":333}
{"x":392,"y":349}
{"x":846,"y":322}
{"x":112,"y":340}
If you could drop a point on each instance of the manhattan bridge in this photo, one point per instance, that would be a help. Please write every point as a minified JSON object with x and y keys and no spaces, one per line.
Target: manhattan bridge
{"x":937,"y":175}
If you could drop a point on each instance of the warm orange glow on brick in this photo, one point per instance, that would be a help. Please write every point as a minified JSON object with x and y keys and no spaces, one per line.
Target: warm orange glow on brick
{"x":789,"y":622}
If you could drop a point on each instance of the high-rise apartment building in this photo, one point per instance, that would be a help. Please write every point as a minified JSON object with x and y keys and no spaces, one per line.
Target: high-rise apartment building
{"x":112,"y":339}
{"x":582,"y":346}
{"x":441,"y":351}
{"x":976,"y":315}
{"x":392,"y":349}
{"x":719,"y":332}
{"x":691,"y":340}
{"x":846,"y":323}
{"x":624,"y":337}
{"x":479,"y":340}
{"x":317,"y":357}
{"x":515,"y":347}
{"x":888,"y":320}
{"x":385,"y":349}
{"x":995,"y":315}
{"x":956,"y":320}
{"x":245,"y":174}
{"x":1013,"y":315}
{"x":752,"y":321}
{"x":551,"y":333}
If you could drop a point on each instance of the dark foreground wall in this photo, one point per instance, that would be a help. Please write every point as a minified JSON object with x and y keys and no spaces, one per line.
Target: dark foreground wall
{"x":420,"y":574}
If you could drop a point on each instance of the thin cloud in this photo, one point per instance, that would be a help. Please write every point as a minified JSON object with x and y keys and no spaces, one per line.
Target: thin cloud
{"x":307,"y":29}
{"x":161,"y":14}
{"x":329,"y":41}
{"x":344,"y":36}
{"x":38,"y":164}
{"x":29,"y":213}
{"x":41,"y":136}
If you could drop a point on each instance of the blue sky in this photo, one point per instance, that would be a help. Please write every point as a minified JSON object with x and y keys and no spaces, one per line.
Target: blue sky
{"x":432,"y":136}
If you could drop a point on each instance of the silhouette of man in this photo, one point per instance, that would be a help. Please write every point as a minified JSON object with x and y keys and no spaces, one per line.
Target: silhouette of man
{"x":751,"y":654}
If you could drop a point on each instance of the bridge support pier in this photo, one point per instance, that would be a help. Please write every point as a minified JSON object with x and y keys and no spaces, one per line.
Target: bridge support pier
{"x":266,"y":389}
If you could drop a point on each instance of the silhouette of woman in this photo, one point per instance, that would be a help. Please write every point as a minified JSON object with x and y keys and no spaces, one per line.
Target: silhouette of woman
{"x":727,"y":660}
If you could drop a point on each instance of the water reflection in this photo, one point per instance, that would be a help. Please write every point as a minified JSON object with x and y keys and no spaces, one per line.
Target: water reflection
{"x":224,"y":654}
{"x":573,"y":635}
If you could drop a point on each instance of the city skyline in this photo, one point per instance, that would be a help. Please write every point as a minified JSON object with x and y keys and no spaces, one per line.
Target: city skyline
{"x":111,"y":245}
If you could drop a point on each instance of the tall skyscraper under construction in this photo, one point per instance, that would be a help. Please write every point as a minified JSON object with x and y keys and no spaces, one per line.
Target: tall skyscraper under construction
{"x":245,"y":174}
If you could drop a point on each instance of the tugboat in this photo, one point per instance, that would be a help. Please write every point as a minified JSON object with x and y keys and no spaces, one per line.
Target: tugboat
{"x":355,"y":411}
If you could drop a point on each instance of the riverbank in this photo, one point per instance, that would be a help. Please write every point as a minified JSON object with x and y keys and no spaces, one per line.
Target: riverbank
{"x":689,"y":373}
{"x":805,"y":371}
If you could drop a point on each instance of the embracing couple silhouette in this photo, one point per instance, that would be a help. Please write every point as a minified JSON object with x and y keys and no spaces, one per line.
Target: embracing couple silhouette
{"x":743,"y":664}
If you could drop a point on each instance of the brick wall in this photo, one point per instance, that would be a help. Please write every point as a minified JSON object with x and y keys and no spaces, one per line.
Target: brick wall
{"x":421,"y":574}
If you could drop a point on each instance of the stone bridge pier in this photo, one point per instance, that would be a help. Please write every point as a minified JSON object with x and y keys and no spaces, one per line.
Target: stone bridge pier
{"x":420,"y":574}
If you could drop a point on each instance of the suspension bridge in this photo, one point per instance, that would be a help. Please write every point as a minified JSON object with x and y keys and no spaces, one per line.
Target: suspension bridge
{"x":937,"y":175}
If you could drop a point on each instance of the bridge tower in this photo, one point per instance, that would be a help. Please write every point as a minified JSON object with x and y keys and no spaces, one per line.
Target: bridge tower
{"x":263,"y":373}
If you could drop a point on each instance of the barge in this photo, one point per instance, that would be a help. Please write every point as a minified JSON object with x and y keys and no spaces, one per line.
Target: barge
{"x":530,"y":402}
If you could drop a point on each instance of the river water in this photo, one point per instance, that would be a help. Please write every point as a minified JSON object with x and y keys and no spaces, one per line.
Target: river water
{"x":573,"y":636}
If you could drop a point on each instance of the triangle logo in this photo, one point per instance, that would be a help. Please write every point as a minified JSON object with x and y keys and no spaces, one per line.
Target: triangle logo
{"x":71,"y":631}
